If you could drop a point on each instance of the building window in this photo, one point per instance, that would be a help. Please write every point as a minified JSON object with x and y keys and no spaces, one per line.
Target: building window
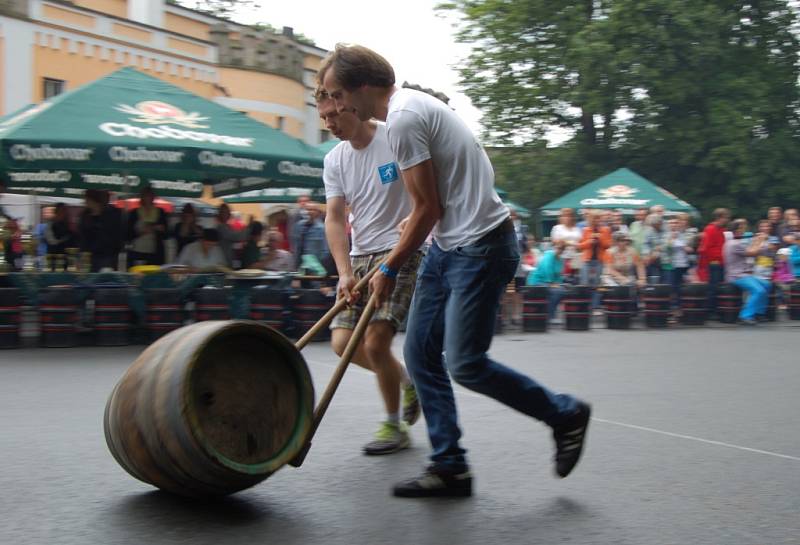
{"x":53,"y":87}
{"x":281,"y":123}
{"x":324,"y":136}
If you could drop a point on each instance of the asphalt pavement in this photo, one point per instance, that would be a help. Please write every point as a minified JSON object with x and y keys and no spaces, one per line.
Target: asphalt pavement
{"x":695,"y":439}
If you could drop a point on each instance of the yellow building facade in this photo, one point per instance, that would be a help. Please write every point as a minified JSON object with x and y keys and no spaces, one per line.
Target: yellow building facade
{"x":51,"y":46}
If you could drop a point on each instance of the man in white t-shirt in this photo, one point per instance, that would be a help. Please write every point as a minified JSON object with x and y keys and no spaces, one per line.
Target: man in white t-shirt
{"x":360,"y":173}
{"x":204,"y":254}
{"x":473,"y":257}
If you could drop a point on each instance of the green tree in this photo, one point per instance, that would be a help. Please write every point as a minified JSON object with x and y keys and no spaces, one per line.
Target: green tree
{"x":701,"y":97}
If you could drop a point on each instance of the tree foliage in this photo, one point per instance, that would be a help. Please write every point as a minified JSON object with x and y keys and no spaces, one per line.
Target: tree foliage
{"x":700,"y":97}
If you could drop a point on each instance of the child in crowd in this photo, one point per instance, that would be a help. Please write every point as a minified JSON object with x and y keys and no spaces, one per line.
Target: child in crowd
{"x":782,"y":275}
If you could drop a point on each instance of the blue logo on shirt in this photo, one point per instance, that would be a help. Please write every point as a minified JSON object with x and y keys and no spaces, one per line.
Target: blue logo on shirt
{"x":388,"y":173}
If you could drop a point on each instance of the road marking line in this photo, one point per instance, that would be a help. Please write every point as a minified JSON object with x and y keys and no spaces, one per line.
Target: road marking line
{"x":699,"y":439}
{"x":461,"y":391}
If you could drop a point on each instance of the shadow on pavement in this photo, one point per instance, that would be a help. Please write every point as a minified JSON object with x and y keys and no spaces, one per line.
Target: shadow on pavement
{"x":152,"y":507}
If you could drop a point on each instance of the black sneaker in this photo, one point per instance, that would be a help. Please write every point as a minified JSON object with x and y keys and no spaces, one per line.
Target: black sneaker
{"x":436,"y":483}
{"x":569,"y":437}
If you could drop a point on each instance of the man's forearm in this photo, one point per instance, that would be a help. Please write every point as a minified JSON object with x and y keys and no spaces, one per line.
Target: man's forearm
{"x":339,"y":246}
{"x":420,"y":223}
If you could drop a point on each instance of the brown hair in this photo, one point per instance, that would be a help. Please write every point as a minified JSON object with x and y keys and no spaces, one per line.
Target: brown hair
{"x":320,"y":94}
{"x":737,"y":224}
{"x":355,"y":66}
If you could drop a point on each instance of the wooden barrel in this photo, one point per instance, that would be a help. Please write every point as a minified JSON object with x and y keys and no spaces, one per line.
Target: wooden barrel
{"x":308,"y":306}
{"x":269,"y":306}
{"x":164,"y":311}
{"x":656,"y":300}
{"x":694,"y":303}
{"x":10,"y":317}
{"x":577,"y":308}
{"x":794,"y":301}
{"x":535,"y":300}
{"x":618,"y":306}
{"x":58,"y":315}
{"x":210,"y":409}
{"x":112,"y":317}
{"x":212,"y":304}
{"x":729,"y":303}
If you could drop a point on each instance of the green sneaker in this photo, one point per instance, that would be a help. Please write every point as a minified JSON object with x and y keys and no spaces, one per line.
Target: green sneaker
{"x":411,"y":407}
{"x":388,"y":439}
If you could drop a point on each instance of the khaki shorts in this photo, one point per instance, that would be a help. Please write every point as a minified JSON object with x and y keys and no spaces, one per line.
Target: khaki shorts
{"x":396,"y":308}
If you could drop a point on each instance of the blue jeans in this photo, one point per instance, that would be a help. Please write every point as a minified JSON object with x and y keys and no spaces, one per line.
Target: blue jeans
{"x":450,"y":328}
{"x":757,"y":296}
{"x":674,"y":277}
{"x":554,"y":295}
{"x":716,"y":276}
{"x":590,"y":276}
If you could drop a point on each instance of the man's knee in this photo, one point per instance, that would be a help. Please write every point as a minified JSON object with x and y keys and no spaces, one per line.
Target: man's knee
{"x":466,"y":370}
{"x":339,"y":339}
{"x":378,"y":343}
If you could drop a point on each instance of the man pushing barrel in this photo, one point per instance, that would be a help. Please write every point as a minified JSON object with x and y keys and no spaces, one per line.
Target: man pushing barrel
{"x":360,"y":172}
{"x":473,"y":257}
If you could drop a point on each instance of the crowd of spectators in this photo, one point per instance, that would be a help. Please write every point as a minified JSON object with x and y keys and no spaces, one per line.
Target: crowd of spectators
{"x":113,"y":238}
{"x":660,"y":248}
{"x":599,"y":249}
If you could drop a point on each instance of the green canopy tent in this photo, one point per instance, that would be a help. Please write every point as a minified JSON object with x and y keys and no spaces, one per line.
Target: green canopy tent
{"x":285,"y":195}
{"x":277,"y":195}
{"x":328,"y":145}
{"x":622,"y":190}
{"x":129,"y":129}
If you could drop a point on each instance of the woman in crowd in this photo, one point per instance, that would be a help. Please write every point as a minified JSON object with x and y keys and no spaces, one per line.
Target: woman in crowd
{"x":596,"y":239}
{"x":654,"y":249}
{"x":147,"y":227}
{"x":273,"y":256}
{"x":100,"y":230}
{"x":58,"y":233}
{"x":617,"y":223}
{"x":675,"y":261}
{"x":766,"y":246}
{"x":738,"y":252}
{"x":251,"y":253}
{"x":623,"y":267}
{"x":187,"y":229}
{"x":567,"y":231}
{"x":229,"y":237}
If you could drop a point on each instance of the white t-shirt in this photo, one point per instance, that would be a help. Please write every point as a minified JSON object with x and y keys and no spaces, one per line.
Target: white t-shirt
{"x":422,"y":127}
{"x":570,"y":235}
{"x":192,"y":256}
{"x":370,"y":183}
